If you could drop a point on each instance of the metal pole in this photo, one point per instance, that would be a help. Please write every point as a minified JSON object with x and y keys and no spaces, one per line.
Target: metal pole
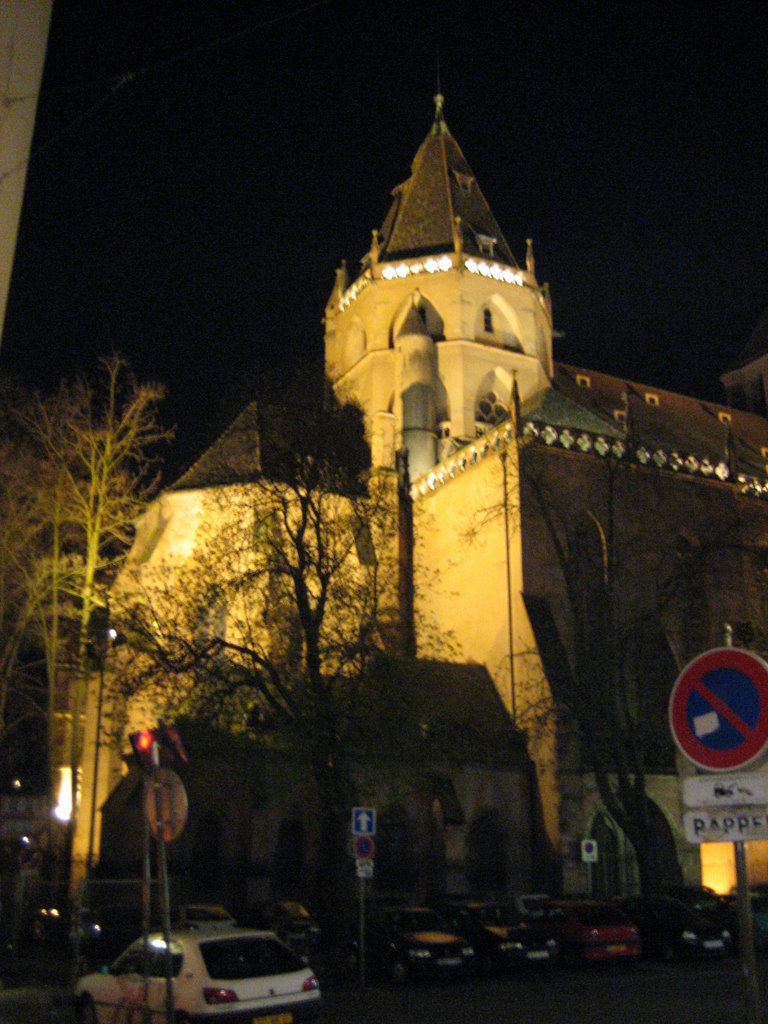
{"x":91,"y":831}
{"x":361,"y":932}
{"x":746,"y":933}
{"x":146,"y":908}
{"x":162,"y":871}
{"x":508,"y":563}
{"x":746,"y":938}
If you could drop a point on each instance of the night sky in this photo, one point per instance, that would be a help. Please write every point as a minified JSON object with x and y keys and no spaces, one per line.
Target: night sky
{"x":200,"y":170}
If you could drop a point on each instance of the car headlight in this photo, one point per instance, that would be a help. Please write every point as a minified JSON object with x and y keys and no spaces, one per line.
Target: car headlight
{"x":419,"y":954}
{"x":551,"y":943}
{"x":467,"y":951}
{"x":688,"y":936}
{"x":507,"y":946}
{"x":726,"y":935}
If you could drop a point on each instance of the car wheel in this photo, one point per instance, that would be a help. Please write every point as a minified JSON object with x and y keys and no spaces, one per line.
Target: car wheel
{"x":86,"y":1011}
{"x":398,"y":971}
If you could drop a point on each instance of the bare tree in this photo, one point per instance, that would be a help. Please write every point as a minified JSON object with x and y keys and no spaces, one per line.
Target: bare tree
{"x":629,"y":599}
{"x":97,"y":445}
{"x":272,"y":624}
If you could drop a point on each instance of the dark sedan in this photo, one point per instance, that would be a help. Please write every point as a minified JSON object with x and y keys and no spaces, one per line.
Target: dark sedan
{"x":415,"y":942}
{"x":669,"y":930}
{"x":499,"y":943}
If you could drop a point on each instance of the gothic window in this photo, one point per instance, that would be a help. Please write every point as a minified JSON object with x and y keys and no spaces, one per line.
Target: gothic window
{"x":491,"y":410}
{"x":488,"y":321}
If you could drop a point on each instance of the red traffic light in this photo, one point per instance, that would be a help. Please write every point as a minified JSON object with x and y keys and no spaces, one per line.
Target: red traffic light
{"x":141,"y":742}
{"x":169,"y":746}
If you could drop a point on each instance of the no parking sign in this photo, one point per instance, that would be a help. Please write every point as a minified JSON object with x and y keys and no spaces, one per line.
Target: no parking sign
{"x":718,"y":709}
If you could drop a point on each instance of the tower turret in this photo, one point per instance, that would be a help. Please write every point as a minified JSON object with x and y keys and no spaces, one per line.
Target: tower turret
{"x":441,"y":318}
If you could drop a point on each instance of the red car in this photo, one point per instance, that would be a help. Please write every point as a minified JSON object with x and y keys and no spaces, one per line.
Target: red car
{"x":590,"y":930}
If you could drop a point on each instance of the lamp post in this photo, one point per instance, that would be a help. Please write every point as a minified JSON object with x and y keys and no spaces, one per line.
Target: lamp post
{"x":104,"y":636}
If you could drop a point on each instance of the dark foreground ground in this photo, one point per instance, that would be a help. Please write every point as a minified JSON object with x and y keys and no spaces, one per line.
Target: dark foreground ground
{"x":644,"y":993}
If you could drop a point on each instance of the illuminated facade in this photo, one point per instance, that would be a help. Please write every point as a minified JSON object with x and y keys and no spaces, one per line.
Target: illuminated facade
{"x":446,"y":344}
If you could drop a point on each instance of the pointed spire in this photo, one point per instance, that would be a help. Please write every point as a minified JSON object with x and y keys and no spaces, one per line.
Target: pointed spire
{"x":439,"y":126}
{"x":442,"y":187}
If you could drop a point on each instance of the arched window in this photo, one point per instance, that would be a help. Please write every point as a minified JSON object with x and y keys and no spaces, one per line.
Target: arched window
{"x":491,"y":410}
{"x":487,"y":321}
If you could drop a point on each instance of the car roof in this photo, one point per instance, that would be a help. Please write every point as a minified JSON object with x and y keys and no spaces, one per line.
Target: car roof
{"x":211,"y":933}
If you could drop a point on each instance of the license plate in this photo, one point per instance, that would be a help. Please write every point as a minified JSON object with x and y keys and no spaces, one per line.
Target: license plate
{"x":275,"y":1018}
{"x":449,"y":961}
{"x":616,"y":947}
{"x":537,"y":954}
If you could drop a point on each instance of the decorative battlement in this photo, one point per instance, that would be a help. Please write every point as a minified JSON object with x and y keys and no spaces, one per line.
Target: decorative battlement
{"x":586,"y":443}
{"x":434,"y":265}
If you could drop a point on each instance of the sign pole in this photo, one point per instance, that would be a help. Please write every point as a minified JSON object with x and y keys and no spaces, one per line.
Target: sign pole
{"x":162,"y":870}
{"x":744,"y":910}
{"x":361,"y":931}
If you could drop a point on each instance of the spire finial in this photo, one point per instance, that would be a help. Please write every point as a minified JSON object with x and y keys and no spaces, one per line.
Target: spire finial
{"x":439,"y":127}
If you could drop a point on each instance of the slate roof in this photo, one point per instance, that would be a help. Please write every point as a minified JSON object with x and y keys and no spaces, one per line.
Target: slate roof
{"x":441,"y":188}
{"x":428,"y":710}
{"x":757,"y":345}
{"x":234,"y":457}
{"x":586,"y":400}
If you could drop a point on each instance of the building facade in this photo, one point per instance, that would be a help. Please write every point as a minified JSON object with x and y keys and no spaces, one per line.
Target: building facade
{"x":562,"y":526}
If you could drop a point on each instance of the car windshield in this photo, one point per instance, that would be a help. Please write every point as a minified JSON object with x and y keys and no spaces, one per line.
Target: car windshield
{"x":294,"y":909}
{"x":207,"y":914}
{"x":490,"y":913}
{"x":417,"y":921}
{"x":247,"y":957}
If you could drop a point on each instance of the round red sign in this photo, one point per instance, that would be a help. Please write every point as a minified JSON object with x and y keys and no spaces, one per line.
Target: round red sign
{"x":718,"y":709}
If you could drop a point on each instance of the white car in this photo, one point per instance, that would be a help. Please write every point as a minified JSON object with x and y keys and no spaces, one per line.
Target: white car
{"x":235,"y":976}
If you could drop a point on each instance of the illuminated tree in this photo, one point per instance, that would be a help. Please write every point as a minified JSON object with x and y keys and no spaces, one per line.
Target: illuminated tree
{"x":96,"y":445}
{"x":271,"y":626}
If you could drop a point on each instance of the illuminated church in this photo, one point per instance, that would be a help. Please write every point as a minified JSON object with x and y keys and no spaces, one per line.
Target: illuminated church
{"x":539,"y":499}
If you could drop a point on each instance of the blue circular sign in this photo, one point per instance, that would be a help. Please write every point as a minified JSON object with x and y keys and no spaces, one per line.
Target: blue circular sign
{"x":718,"y":709}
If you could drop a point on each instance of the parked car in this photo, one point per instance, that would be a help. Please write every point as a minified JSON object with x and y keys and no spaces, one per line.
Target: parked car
{"x":707,"y":902}
{"x":499,"y":942}
{"x":205,"y":915}
{"x":291,"y":921}
{"x":218,"y":975}
{"x":404,"y":942}
{"x":593,"y":930}
{"x":670,"y":930}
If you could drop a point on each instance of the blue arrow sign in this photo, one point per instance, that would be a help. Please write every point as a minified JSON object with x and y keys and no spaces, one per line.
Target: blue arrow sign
{"x":363,"y":821}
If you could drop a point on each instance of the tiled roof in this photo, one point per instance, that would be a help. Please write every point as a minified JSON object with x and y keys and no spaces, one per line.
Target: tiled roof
{"x":677,"y":426}
{"x":234,"y":457}
{"x":757,"y":345}
{"x":436,"y":709}
{"x":441,"y":187}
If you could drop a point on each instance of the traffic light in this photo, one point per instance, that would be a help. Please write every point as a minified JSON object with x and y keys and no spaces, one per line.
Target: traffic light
{"x":169,"y":745}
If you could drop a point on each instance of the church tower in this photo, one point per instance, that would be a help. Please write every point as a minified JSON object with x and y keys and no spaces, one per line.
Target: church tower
{"x":441,"y":324}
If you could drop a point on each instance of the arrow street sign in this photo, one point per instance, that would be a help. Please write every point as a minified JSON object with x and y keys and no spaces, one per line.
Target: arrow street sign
{"x":701,"y":791}
{"x":363,"y":821}
{"x":726,"y":826}
{"x":718,"y":709}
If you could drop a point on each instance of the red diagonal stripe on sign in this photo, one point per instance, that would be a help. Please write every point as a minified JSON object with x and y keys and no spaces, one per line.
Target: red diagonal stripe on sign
{"x":723,"y":709}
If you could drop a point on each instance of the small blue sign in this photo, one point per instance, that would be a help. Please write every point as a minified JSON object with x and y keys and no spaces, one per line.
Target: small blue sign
{"x":363,"y":821}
